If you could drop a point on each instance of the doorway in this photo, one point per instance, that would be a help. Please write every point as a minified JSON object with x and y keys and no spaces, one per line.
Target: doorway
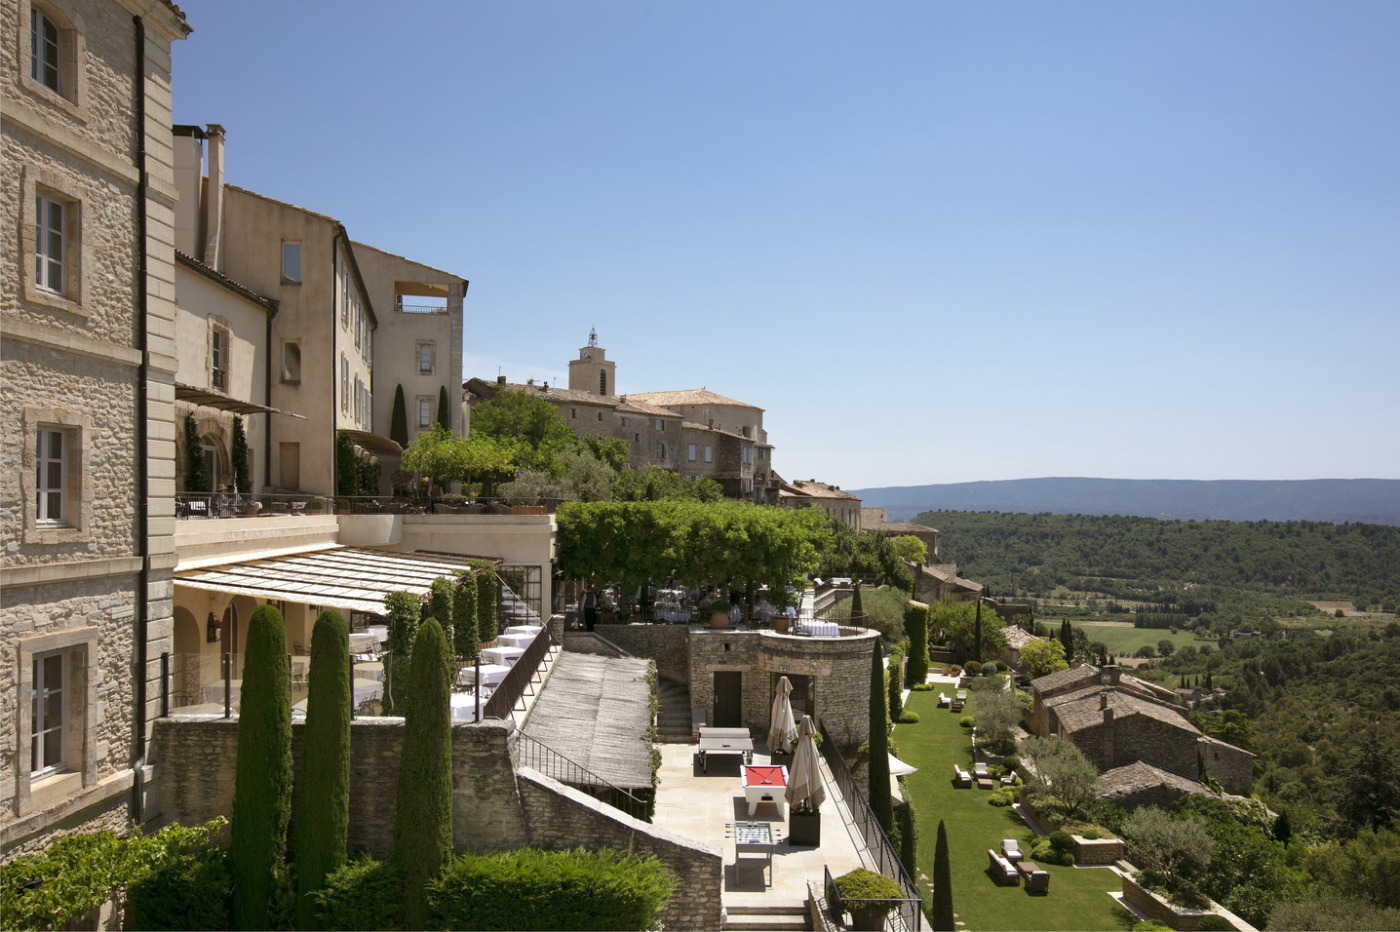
{"x":289,"y":459}
{"x":804,"y":695}
{"x":729,"y":699}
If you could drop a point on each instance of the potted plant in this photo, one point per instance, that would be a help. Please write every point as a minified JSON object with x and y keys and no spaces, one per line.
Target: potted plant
{"x":719,"y":614}
{"x":342,"y":506}
{"x":867,"y":896}
{"x":313,"y":505}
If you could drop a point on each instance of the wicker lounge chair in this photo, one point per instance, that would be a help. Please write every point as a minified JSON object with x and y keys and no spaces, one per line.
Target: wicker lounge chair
{"x":1002,"y":870}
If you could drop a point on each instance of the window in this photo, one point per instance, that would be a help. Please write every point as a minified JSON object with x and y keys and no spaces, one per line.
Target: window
{"x":660,"y":424}
{"x":44,"y":46}
{"x":51,"y":481}
{"x":218,"y":358}
{"x":425,"y":357}
{"x":600,"y":415}
{"x":636,"y":438}
{"x":690,"y":453}
{"x":660,"y":450}
{"x":425,"y":413}
{"x":49,"y":244}
{"x":47,"y":716}
{"x":708,"y":453}
{"x":211,"y":465}
{"x":291,"y":362}
{"x":359,"y":328}
{"x":603,"y":382}
{"x":573,"y":414}
{"x":357,"y":401}
{"x":344,"y":282}
{"x":291,"y":263}
{"x":344,"y":383}
{"x":624,"y":422}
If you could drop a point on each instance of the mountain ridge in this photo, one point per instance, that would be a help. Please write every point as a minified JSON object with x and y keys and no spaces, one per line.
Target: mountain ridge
{"x":1370,"y":501}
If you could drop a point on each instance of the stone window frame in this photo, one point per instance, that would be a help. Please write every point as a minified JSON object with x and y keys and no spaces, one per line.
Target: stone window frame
{"x":72,"y":95}
{"x":661,"y":449}
{"x":38,"y":182}
{"x":344,"y":384}
{"x":220,"y":327}
{"x":77,"y":499}
{"x":431,"y":347}
{"x":80,"y":647}
{"x":660,"y":424}
{"x":690,"y":453}
{"x":709,"y":453}
{"x":425,"y":405}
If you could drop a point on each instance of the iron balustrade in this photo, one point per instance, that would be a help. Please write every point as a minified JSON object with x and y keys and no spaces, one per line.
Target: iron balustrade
{"x":556,"y":766}
{"x":419,"y":308}
{"x":248,"y":505}
{"x":520,"y":680}
{"x":877,"y":843}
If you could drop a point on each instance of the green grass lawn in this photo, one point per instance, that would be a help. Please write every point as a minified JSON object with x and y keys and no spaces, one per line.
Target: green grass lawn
{"x":1078,"y":898}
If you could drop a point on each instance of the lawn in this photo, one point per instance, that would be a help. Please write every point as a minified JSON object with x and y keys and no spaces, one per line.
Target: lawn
{"x":1122,"y":642}
{"x":1078,"y":898}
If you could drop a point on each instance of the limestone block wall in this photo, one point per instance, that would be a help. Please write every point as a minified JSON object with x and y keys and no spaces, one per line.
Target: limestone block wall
{"x":668,"y":645}
{"x":1232,"y":766}
{"x":1122,"y":741}
{"x":560,"y":817}
{"x":1097,"y":851}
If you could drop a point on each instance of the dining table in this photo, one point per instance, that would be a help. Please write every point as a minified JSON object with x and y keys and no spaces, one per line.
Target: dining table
{"x":363,"y":642}
{"x":505,"y":656}
{"x":822,"y":629}
{"x":524,"y":629}
{"x":491,"y":674}
{"x":514,"y":640}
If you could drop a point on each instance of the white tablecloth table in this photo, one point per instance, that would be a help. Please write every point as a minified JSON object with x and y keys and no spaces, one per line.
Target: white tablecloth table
{"x":366,"y":689}
{"x":671,"y":614}
{"x":524,"y":629}
{"x":380,"y":632}
{"x":515,"y":640}
{"x":370,"y":670}
{"x":506,"y":656}
{"x":822,"y":629}
{"x":491,"y":674}
{"x":362,"y":642}
{"x":464,"y":706}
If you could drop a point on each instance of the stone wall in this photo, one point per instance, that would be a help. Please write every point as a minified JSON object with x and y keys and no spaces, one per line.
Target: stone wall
{"x":1118,"y":742}
{"x":1097,"y":852}
{"x":1155,"y":907}
{"x":1232,"y":766}
{"x":668,"y":645}
{"x":558,"y":816}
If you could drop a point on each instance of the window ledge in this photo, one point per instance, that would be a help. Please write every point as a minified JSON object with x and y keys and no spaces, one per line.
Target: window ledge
{"x":48,"y":534}
{"x":46,"y":791}
{"x":33,"y":294}
{"x":54,"y":99}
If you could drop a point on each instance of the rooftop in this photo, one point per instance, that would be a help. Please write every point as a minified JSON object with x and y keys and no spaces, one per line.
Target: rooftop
{"x":690,"y":396}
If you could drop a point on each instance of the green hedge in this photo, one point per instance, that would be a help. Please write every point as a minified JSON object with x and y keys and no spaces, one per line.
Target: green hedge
{"x":362,"y":895}
{"x":466,"y":640}
{"x":533,"y":889}
{"x":916,"y":626}
{"x":189,"y":891}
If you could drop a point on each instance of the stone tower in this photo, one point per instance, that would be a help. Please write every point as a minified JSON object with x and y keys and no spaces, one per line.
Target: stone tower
{"x":592,"y":372}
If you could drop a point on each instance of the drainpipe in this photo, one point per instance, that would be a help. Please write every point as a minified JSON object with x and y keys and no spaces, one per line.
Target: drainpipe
{"x":336,"y":388}
{"x":143,"y":545}
{"x":267,"y":398}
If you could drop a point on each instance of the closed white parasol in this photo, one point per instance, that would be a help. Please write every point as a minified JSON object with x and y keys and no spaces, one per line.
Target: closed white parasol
{"x":805,"y":788}
{"x":782,"y":731}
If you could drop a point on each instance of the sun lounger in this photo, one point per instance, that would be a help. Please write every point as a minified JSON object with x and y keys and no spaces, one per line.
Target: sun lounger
{"x":961,"y":777}
{"x":1011,"y":849}
{"x":1009,"y":780}
{"x":1037,"y":880}
{"x":980,"y":771}
{"x":943,"y":700}
{"x":1001,"y":869}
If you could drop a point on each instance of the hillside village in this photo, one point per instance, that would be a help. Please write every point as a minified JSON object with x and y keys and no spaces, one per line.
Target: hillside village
{"x":213,"y":400}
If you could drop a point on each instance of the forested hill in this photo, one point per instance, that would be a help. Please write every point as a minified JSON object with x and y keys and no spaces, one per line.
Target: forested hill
{"x":1300,"y":559}
{"x":1373,"y":501}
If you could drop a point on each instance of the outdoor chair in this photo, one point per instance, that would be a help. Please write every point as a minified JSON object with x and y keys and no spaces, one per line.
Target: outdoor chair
{"x":197,"y":508}
{"x":961,"y":777}
{"x":943,"y":700}
{"x":980,"y":771}
{"x":1009,"y":780}
{"x":1037,"y":880}
{"x":1011,"y":849}
{"x":1002,"y":870}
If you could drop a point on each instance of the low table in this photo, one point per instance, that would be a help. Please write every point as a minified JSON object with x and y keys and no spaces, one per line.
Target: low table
{"x":764,"y":783}
{"x":984,"y":783}
{"x":725,"y":741}
{"x":754,"y":838}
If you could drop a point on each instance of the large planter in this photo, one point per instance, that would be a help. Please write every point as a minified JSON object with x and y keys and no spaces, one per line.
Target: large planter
{"x":781,"y":624}
{"x":805,"y":829}
{"x":719,"y":620}
{"x":868,"y":923}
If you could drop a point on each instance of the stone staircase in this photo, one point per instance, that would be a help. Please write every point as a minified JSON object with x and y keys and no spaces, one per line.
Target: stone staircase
{"x":673,"y":717}
{"x":583,"y":642}
{"x":767,"y":919}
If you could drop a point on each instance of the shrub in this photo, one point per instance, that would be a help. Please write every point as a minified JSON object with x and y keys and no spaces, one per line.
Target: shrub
{"x":323,"y":810}
{"x":1044,"y":851}
{"x":916,"y":627}
{"x":719,"y":605}
{"x":405,"y":614}
{"x":907,"y":830}
{"x":423,"y":822}
{"x":441,"y":607}
{"x":188,"y":890}
{"x":486,"y":594}
{"x":1062,"y":841}
{"x":363,"y":894}
{"x":972,"y":668}
{"x":1002,"y":796}
{"x":1151,"y":925}
{"x":966,"y":721}
{"x":1215,"y":923}
{"x":922,"y":687}
{"x":1092,"y":834}
{"x":908,"y":718}
{"x":466,"y":640}
{"x":1010,"y":762}
{"x":262,"y":789}
{"x":533,"y":889}
{"x":861,"y":884}
{"x":894,"y":681}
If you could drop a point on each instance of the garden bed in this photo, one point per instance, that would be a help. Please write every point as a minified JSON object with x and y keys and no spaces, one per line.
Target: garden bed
{"x":1155,"y":906}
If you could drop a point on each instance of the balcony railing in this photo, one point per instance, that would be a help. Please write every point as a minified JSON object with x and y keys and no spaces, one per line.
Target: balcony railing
{"x":403,"y":308}
{"x":521,"y":678}
{"x":260,"y":505}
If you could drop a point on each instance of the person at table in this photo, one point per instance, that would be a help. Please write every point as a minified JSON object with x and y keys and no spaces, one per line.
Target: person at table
{"x":590,"y":607}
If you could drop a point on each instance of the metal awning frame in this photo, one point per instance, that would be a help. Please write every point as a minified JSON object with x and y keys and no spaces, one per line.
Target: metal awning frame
{"x":209,"y":398}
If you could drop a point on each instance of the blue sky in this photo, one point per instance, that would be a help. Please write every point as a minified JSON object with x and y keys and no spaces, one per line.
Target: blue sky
{"x":937,"y":242}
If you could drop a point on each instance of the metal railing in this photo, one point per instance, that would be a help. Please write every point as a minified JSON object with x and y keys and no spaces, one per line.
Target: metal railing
{"x":521,"y":678}
{"x":881,"y":851}
{"x":250,"y":505}
{"x":556,"y":766}
{"x":835,"y":901}
{"x":419,"y":308}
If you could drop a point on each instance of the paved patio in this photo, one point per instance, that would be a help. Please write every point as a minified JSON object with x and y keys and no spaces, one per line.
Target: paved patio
{"x":705,"y":806}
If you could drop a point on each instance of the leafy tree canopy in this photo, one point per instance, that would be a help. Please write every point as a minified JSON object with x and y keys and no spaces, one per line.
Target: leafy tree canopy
{"x":957,"y":621}
{"x":654,"y":484}
{"x":864,"y":554}
{"x":910,"y":547}
{"x":518,"y":417}
{"x":1042,"y":657}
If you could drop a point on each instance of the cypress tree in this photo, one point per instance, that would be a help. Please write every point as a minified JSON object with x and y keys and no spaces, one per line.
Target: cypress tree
{"x":464,"y":633}
{"x":441,"y":607}
{"x":941,"y":916}
{"x":486,"y":595}
{"x":398,"y":420}
{"x":242,"y":481}
{"x":879,"y":742}
{"x":323,"y":808}
{"x":196,"y":477}
{"x":908,"y":833}
{"x":977,"y":634}
{"x":444,"y":413}
{"x":856,"y":605}
{"x":893,"y":682}
{"x":405,"y":613}
{"x":262,"y":789}
{"x":1067,"y":638}
{"x":423,"y":820}
{"x":916,"y":626}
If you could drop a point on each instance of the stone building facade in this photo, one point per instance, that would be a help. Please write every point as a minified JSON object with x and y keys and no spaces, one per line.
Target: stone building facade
{"x":86,"y":406}
{"x":877,"y":519}
{"x":809,"y":493}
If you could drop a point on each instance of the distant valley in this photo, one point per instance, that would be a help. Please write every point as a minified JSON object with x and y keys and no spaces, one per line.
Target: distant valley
{"x":1373,"y":501}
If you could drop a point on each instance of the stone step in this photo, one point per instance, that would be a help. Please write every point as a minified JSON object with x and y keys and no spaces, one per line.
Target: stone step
{"x":767,"y":919}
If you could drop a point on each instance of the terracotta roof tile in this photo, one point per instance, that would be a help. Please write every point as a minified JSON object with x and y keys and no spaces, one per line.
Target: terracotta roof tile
{"x":691,"y":396}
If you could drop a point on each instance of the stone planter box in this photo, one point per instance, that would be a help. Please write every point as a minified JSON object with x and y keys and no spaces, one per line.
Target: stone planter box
{"x":805,"y":829}
{"x":1097,"y":851}
{"x":1154,"y":906}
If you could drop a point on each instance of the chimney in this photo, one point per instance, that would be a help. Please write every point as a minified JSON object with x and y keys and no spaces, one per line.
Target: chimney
{"x":501,"y":380}
{"x":1109,"y":676}
{"x":1103,"y":701}
{"x":214,"y":199}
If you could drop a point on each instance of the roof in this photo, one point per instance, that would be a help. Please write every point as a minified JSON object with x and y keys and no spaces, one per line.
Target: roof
{"x":1140,"y":775}
{"x":690,"y":396}
{"x":1087,"y":712}
{"x":1064,"y":678}
{"x":1208,"y":740}
{"x":815,"y":489}
{"x":1017,"y":638}
{"x":219,"y":278}
{"x":422,"y":265}
{"x":337,"y":577}
{"x":877,"y":519}
{"x":595,"y":711}
{"x":691,"y":425}
{"x":947,"y":573}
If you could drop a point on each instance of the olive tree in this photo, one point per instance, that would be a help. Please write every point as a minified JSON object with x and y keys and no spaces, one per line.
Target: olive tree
{"x":1167,"y":845}
{"x":1061,"y":770}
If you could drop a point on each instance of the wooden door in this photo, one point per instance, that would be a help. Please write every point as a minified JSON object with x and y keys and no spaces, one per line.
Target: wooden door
{"x":729,"y":699}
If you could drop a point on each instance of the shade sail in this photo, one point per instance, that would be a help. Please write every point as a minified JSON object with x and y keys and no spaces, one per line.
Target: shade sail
{"x":375,"y":444}
{"x":899,"y":768}
{"x":212,"y":399}
{"x":340,"y":577}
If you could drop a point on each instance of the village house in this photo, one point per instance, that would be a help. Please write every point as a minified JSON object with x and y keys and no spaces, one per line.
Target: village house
{"x":936,"y":582}
{"x":809,"y":493}
{"x":877,"y":519}
{"x":88,"y":391}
